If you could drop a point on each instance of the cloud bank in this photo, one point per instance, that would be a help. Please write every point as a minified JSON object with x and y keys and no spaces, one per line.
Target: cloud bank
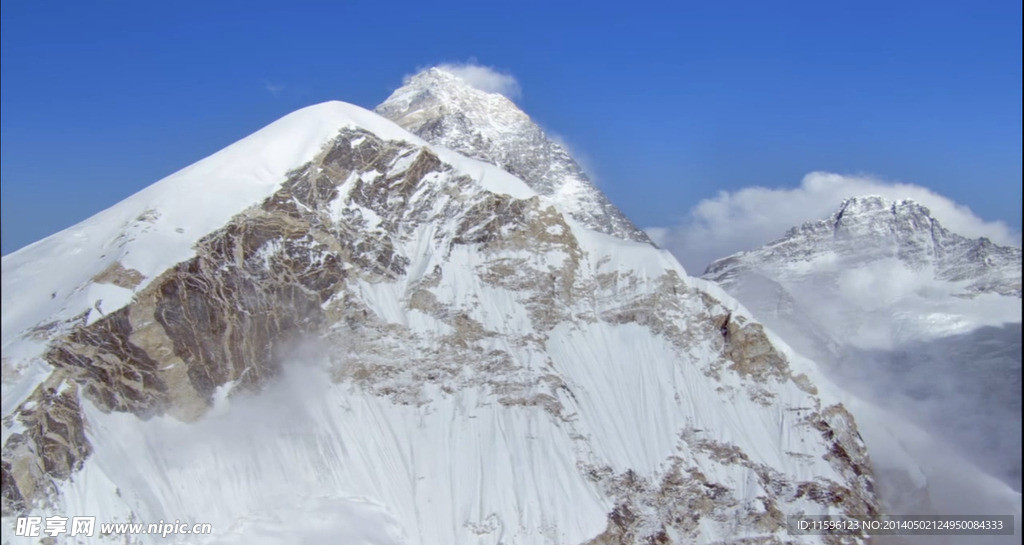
{"x":745,"y":219}
{"x":485,"y":78}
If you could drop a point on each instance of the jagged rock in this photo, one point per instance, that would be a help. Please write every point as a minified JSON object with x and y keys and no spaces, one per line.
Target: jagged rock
{"x":51,"y":448}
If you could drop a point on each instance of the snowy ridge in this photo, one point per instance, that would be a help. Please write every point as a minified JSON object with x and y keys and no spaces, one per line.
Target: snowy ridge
{"x":157,"y":227}
{"x":447,"y":111}
{"x":414,"y":347}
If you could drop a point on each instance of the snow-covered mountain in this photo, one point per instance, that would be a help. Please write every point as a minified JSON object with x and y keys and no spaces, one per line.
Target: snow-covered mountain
{"x":871,"y":229}
{"x":447,"y":111}
{"x":908,"y":315}
{"x":335,"y":331}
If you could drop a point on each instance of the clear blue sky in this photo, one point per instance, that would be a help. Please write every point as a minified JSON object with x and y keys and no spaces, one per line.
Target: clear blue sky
{"x":667,"y":104}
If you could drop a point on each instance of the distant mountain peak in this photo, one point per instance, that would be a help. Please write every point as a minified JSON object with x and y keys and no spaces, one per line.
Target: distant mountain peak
{"x":874,"y":202}
{"x":871,"y":227}
{"x":448,"y":111}
{"x":904,"y":312}
{"x":878,"y":217}
{"x":879,"y":206}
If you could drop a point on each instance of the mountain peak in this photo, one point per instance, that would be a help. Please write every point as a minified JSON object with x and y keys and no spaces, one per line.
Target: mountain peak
{"x":436,"y":102}
{"x":880,"y":218}
{"x":865,"y":203}
{"x":870,"y":228}
{"x":448,"y":110}
{"x":877,"y":204}
{"x":443,"y":77}
{"x":436,"y":73}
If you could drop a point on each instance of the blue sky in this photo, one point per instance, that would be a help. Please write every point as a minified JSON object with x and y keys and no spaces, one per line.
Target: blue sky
{"x":666,"y":105}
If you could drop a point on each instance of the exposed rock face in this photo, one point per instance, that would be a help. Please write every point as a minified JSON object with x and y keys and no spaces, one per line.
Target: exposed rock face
{"x":422,"y":280}
{"x":669,"y":510}
{"x":445,"y":110}
{"x":53,"y":445}
{"x":118,"y":275}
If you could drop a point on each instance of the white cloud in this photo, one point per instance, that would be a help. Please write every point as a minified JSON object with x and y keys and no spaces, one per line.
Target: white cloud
{"x":485,"y":78}
{"x":745,"y":219}
{"x":583,"y":159}
{"x":273,"y":88}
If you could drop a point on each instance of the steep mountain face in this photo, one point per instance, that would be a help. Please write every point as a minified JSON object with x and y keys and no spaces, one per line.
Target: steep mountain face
{"x":447,"y":111}
{"x":339,"y":323}
{"x":908,"y":315}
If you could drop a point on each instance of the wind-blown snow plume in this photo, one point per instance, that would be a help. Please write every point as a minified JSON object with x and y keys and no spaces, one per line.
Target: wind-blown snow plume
{"x":451,"y":111}
{"x":484,"y":78}
{"x":745,"y":219}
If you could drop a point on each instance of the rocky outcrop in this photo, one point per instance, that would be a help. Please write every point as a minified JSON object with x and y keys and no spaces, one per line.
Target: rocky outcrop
{"x":51,"y":446}
{"x":670,"y":510}
{"x":118,"y":275}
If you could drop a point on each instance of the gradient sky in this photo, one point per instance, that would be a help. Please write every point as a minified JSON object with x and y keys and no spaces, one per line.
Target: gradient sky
{"x":664,"y":105}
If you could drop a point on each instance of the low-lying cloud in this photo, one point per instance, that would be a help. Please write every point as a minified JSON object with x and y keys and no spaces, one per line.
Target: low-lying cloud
{"x":485,"y":78}
{"x":745,"y":219}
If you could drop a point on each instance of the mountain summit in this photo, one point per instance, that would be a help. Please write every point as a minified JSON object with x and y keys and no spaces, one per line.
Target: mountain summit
{"x":448,"y":111}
